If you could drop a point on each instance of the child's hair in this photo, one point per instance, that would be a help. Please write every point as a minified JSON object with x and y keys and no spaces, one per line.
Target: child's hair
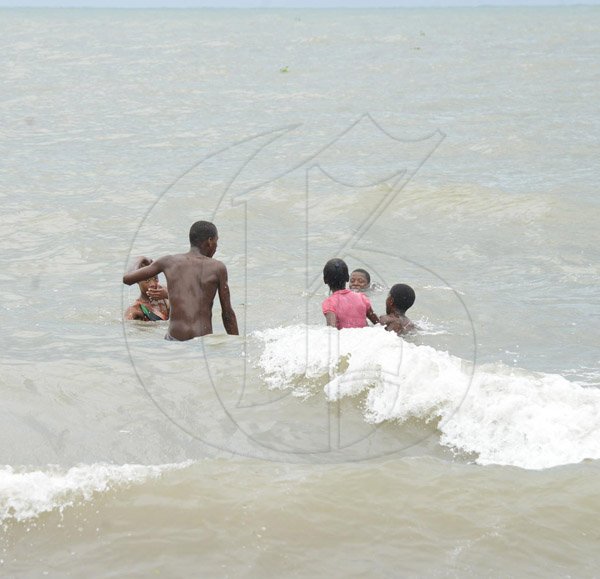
{"x":403,"y":296}
{"x":143,"y":263}
{"x":335,"y":274}
{"x":364,"y":272}
{"x":201,"y":231}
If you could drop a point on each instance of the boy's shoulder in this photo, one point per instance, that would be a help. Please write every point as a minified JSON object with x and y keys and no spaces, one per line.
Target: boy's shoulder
{"x":189,"y":257}
{"x":166,"y":259}
{"x":216,"y":265}
{"x":398,"y":324}
{"x":208,"y":264}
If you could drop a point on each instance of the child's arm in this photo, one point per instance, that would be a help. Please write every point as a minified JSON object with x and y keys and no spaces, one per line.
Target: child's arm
{"x":372,"y":316}
{"x":328,"y":308}
{"x":331,"y":319}
{"x":133,"y":313}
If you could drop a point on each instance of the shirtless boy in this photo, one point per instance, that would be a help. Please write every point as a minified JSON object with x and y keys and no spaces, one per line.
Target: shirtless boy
{"x":194,"y":278}
{"x":400,"y":298}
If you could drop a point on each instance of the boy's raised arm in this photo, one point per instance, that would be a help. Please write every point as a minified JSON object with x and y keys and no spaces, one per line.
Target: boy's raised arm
{"x":135,"y":275}
{"x":227,"y":313}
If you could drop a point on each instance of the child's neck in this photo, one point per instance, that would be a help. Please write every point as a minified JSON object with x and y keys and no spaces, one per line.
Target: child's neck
{"x":398,"y":313}
{"x":336,"y":289}
{"x":203,"y":251}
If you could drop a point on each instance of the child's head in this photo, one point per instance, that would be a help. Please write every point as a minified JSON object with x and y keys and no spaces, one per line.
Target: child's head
{"x":204,"y":235}
{"x":151,"y":282}
{"x":401,"y":298}
{"x":335,"y":274}
{"x":360,"y":280}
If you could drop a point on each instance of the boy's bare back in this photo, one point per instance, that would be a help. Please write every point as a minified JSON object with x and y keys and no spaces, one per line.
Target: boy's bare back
{"x":193,"y":282}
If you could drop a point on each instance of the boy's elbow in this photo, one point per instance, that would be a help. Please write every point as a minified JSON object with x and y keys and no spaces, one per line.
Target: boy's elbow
{"x":228,"y":315}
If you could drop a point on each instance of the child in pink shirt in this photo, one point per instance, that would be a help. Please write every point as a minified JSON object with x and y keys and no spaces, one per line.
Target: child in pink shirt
{"x":344,"y":308}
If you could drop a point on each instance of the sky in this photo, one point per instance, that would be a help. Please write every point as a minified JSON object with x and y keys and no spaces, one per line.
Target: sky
{"x":284,"y":3}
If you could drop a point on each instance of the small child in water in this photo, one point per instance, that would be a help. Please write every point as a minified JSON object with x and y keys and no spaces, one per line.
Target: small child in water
{"x":400,"y":298}
{"x":344,"y":308}
{"x":360,"y":280}
{"x":152,"y":305}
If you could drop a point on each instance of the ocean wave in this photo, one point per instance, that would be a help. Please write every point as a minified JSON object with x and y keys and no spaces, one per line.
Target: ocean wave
{"x":25,"y":494}
{"x":503,"y":415}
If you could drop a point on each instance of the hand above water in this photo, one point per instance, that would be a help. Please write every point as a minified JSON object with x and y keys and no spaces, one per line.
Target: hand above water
{"x":158,"y":293}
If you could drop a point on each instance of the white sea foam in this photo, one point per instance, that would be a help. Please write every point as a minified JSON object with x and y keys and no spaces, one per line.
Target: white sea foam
{"x":25,"y":494}
{"x":427,"y":327}
{"x":504,"y":415}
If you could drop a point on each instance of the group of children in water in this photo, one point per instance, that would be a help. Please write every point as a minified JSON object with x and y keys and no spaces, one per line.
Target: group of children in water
{"x":189,"y":311}
{"x":350,"y":308}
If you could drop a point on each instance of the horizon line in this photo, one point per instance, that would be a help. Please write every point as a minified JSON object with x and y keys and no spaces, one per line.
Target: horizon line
{"x":103,"y":6}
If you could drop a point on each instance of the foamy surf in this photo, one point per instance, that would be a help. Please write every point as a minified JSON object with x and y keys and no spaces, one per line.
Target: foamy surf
{"x":25,"y":494}
{"x":503,"y":415}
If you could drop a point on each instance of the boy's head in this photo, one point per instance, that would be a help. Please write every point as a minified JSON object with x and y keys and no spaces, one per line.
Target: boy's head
{"x":360,"y":280}
{"x":335,"y":274}
{"x":401,"y":298}
{"x":204,"y":235}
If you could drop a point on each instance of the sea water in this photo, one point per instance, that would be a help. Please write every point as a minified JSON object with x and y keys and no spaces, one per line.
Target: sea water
{"x":451,"y":149}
